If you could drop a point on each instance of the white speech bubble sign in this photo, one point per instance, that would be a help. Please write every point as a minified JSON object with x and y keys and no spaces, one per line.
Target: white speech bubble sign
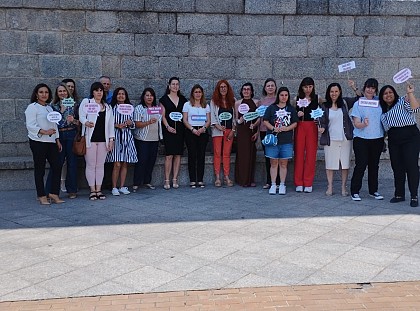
{"x":243,"y":108}
{"x":317,"y":113}
{"x":175,"y":116}
{"x":91,"y":108}
{"x":225,"y":116}
{"x":125,"y":109}
{"x":54,"y":117}
{"x":303,"y":102}
{"x":402,"y":76}
{"x":281,"y":113}
{"x":346,"y":66}
{"x":373,"y":103}
{"x":249,"y":116}
{"x":261,"y":110}
{"x":68,"y":102}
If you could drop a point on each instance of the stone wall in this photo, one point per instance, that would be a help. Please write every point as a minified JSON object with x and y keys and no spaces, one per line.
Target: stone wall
{"x":142,"y":43}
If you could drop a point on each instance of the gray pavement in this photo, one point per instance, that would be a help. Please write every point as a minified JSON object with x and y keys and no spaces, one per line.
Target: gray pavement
{"x":157,"y":240}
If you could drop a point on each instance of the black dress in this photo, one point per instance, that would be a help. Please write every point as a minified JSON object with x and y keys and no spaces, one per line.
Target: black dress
{"x":174,"y":143}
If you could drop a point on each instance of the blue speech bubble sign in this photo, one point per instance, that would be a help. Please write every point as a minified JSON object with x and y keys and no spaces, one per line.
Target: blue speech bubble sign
{"x":317,"y":113}
{"x":175,"y":116}
{"x":249,"y":116}
{"x":261,"y":110}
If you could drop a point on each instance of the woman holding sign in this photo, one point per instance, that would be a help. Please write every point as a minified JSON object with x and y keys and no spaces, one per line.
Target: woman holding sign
{"x":44,"y":142}
{"x":336,"y":131}
{"x":196,"y":118}
{"x":147,"y":117}
{"x":223,"y":127}
{"x":173,"y":130}
{"x":247,"y":136}
{"x":98,"y":126}
{"x":124,"y":150}
{"x":67,"y":126}
{"x":368,"y":141}
{"x":403,"y":140}
{"x":306,"y":136}
{"x":280,"y":118}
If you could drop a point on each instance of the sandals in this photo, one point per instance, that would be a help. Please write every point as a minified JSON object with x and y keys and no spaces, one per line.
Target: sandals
{"x":228,"y":182}
{"x":266,"y":186}
{"x":201,"y":184}
{"x":217,"y":183}
{"x":166,"y":186}
{"x":175,"y":183}
{"x":135,"y":188}
{"x":192,"y":185}
{"x":92,"y":196}
{"x":100,"y":195}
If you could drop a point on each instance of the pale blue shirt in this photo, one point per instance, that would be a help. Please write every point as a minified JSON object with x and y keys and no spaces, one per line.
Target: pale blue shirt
{"x":374,"y":129}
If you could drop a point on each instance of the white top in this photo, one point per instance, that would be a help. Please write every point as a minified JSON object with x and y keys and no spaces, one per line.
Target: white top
{"x":151,"y":132}
{"x":36,"y":120}
{"x":335,"y":126}
{"x":197,"y":116}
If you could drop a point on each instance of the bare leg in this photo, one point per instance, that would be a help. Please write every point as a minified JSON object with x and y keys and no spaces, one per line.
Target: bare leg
{"x":330,"y":176}
{"x":283,"y":170}
{"x":115,"y":173}
{"x":274,"y":167}
{"x":176,"y":166}
{"x":344,"y":175}
{"x":123,"y":173}
{"x":168,"y":166}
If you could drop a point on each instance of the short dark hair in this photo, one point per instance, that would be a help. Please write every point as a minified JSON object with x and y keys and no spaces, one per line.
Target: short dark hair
{"x":252,"y":89}
{"x":97,"y":86}
{"x":151,"y":91}
{"x":114,"y":96}
{"x":306,"y":81}
{"x":169,"y":82}
{"x":282,"y":89}
{"x":34,"y":96}
{"x":264,"y":92}
{"x":371,"y":82}
{"x":328,"y":99}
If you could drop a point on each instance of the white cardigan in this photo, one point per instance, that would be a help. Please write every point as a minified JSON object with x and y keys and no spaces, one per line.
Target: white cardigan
{"x":109,"y":123}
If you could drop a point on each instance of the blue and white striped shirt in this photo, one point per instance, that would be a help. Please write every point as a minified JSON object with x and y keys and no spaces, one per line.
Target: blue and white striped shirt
{"x":400,"y":115}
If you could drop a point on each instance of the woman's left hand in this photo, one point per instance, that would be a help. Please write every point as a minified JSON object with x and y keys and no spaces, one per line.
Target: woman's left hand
{"x":110,"y":145}
{"x":254,"y":137}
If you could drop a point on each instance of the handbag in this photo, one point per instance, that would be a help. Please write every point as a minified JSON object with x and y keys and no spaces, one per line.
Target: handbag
{"x":79,"y":144}
{"x":270,"y":140}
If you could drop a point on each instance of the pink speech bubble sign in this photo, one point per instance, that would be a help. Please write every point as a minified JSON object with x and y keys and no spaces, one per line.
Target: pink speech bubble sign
{"x":402,"y":76}
{"x":303,"y":102}
{"x":154,"y":110}
{"x":91,"y":108}
{"x":125,"y":109}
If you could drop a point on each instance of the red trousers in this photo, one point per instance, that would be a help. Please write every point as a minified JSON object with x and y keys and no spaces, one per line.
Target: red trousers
{"x":222,"y":148}
{"x":306,"y":145}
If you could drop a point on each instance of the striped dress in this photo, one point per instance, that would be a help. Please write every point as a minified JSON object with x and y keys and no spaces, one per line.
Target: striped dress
{"x":124,"y":148}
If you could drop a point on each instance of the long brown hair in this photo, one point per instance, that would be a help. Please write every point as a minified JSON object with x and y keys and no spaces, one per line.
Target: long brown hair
{"x":203,"y":103}
{"x":217,"y":97}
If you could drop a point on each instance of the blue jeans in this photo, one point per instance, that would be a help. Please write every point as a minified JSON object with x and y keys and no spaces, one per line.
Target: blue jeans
{"x":66,"y":140}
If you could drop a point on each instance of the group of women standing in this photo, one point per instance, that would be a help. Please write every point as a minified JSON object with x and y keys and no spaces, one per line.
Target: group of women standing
{"x":122,"y":134}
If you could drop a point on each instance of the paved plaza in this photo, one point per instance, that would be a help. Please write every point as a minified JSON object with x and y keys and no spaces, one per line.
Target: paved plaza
{"x":193,"y":240}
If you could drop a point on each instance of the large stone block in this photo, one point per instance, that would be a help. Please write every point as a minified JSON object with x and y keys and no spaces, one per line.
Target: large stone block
{"x":202,"y":23}
{"x":385,"y":70}
{"x":270,"y":6}
{"x":72,"y":21}
{"x":167,"y":23}
{"x":412,"y":27}
{"x":168,"y":67}
{"x":70,"y":66}
{"x":253,"y":68}
{"x":20,"y":107}
{"x":14,"y":131}
{"x":392,"y":7}
{"x":98,"y":44}
{"x":363,"y":70}
{"x":10,"y":3}
{"x":349,"y":7}
{"x":283,"y":46}
{"x":350,"y":46}
{"x":19,"y":66}
{"x":111,"y":66}
{"x":44,"y":4}
{"x":219,"y":6}
{"x":209,"y":67}
{"x":161,"y":45}
{"x":118,"y":5}
{"x":102,"y":21}
{"x":392,"y":46}
{"x":170,"y":5}
{"x":318,"y":25}
{"x":25,"y":19}
{"x":413,"y":64}
{"x":8,"y":110}
{"x":139,"y":67}
{"x":256,"y":25}
{"x":138,"y":22}
{"x":2,"y":19}
{"x":311,"y":7}
{"x":9,"y":150}
{"x":79,"y":4}
{"x":46,"y":42}
{"x":298,"y":68}
{"x":16,"y":41}
{"x":198,"y":45}
{"x":379,"y":25}
{"x":322,"y":46}
{"x":232,"y":46}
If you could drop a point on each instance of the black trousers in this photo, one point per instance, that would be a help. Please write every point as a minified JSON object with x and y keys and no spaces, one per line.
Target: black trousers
{"x":404,"y":146}
{"x":196,"y":146}
{"x":367,"y":153}
{"x":42,"y":152}
{"x":146,"y":155}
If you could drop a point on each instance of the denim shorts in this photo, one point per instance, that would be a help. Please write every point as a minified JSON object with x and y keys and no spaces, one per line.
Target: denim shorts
{"x":283,"y":151}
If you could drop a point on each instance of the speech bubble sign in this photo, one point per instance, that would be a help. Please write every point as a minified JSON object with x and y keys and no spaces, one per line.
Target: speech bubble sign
{"x":281,"y":113}
{"x":373,"y":103}
{"x":261,"y":110}
{"x":54,"y":116}
{"x":402,"y":76}
{"x":154,"y":110}
{"x":91,"y":108}
{"x":243,"y":108}
{"x":317,"y":113}
{"x":125,"y":109}
{"x":346,"y":66}
{"x":249,"y":116}
{"x":68,"y":102}
{"x":199,"y":117}
{"x":225,"y":116}
{"x":175,"y":116}
{"x":303,"y":102}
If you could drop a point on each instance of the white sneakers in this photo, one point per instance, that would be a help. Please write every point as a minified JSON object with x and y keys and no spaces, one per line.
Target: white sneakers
{"x":299,"y":189}
{"x":123,"y":190}
{"x":272,"y":190}
{"x":308,"y":189}
{"x":282,"y":189}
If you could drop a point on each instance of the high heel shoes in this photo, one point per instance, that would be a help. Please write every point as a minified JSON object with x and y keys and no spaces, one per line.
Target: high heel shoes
{"x":166,"y":186}
{"x":175,"y":183}
{"x":55,"y":198}
{"x":43,"y":200}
